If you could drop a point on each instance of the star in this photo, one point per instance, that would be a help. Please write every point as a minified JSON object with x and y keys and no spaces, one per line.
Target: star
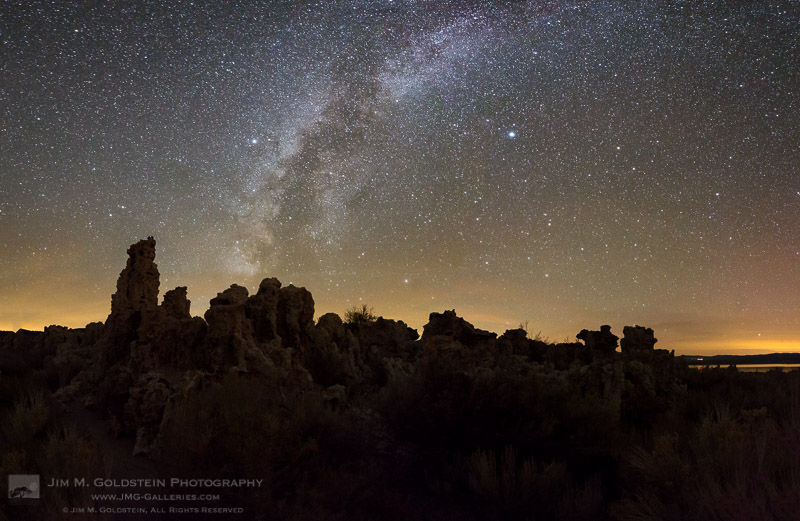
{"x":313,"y":134}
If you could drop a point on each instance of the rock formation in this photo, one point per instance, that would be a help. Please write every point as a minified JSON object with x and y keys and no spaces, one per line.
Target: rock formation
{"x":230,"y":334}
{"x":602,"y":342}
{"x":262,"y":310}
{"x":637,"y":339}
{"x":144,"y":410}
{"x":136,"y":296}
{"x":175,"y":303}
{"x":138,"y":368}
{"x":448,"y":328}
{"x":137,"y":285}
{"x":516,"y":341}
{"x":295,"y":317}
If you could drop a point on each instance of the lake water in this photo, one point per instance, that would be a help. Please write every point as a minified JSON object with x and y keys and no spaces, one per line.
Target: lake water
{"x":757,"y":368}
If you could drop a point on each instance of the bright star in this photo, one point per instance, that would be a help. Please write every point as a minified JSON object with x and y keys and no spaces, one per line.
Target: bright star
{"x":254,"y":141}
{"x":512,"y":134}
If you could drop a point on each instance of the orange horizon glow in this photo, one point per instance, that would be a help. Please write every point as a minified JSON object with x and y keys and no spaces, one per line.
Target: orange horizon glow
{"x":96,"y":310}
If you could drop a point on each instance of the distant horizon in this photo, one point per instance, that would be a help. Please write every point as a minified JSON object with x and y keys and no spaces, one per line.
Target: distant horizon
{"x":481,"y":320}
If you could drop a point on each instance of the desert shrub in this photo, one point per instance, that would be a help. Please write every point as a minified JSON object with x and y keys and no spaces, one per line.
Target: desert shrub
{"x":247,"y":427}
{"x":520,"y":488}
{"x":582,"y":502}
{"x":513,"y":484}
{"x":67,"y":453}
{"x":9,"y":391}
{"x":227,"y":426}
{"x":63,"y":451}
{"x":733,"y":466}
{"x":13,"y":462}
{"x":27,"y":418}
{"x":358,"y":315}
{"x":458,"y":403}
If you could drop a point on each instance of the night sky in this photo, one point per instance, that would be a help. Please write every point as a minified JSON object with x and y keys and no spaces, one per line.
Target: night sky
{"x":568,"y":164}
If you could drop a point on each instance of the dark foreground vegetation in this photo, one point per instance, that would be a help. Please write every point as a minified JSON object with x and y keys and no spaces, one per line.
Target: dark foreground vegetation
{"x":362,"y":419}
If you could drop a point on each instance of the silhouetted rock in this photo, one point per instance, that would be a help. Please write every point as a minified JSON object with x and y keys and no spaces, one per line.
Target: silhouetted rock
{"x":358,"y":352}
{"x":113,"y":392}
{"x":394,"y":369}
{"x":262,"y":310}
{"x":137,"y":285}
{"x":77,"y":351}
{"x":281,"y":314}
{"x":637,"y":339}
{"x":145,"y":408}
{"x":168,"y":339}
{"x":334,"y":354}
{"x":562,"y":355}
{"x":230,"y":333}
{"x":233,"y":296}
{"x":175,"y":303}
{"x":381,"y":341}
{"x":20,"y":351}
{"x":29,"y":345}
{"x":390,"y":337}
{"x":517,"y":342}
{"x":603,"y":342}
{"x":518,"y":338}
{"x":447,"y":328}
{"x":295,"y":315}
{"x":150,"y":367}
{"x":332,"y":324}
{"x":6,"y":340}
{"x":136,"y":296}
{"x":335,"y":396}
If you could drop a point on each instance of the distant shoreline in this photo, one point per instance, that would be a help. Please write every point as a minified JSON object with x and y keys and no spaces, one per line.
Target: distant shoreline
{"x":766,"y":359}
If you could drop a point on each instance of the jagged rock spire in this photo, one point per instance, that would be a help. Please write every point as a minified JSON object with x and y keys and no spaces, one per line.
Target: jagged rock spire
{"x":137,"y":286}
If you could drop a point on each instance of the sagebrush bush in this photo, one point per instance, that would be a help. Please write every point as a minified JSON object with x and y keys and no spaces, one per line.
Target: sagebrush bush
{"x":66,"y":452}
{"x":733,"y":466}
{"x":516,"y":487}
{"x":28,"y":417}
{"x":13,"y":462}
{"x":250,"y":427}
{"x":358,"y":315}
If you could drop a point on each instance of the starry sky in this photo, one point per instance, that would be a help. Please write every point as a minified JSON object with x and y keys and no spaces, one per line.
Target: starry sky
{"x":564,"y":164}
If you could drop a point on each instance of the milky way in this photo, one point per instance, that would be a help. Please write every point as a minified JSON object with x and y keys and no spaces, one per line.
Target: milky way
{"x":564,"y":164}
